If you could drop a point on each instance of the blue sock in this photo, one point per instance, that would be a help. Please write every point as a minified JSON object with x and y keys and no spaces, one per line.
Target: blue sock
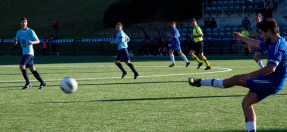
{"x":121,"y":67}
{"x":132,"y":67}
{"x":37,"y":76}
{"x":25,"y":75}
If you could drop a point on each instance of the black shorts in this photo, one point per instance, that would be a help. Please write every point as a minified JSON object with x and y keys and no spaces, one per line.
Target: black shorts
{"x":197,"y":47}
{"x":122,"y":55}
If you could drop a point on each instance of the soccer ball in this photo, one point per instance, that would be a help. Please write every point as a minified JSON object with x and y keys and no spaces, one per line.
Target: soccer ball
{"x":68,"y":85}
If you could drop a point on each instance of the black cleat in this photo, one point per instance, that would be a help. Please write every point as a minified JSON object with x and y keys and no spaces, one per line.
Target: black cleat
{"x":124,"y":74}
{"x":207,"y":68}
{"x":199,"y":65}
{"x":252,"y":131}
{"x":136,"y":75}
{"x":194,"y":82}
{"x":27,"y":86}
{"x":42,"y":85}
{"x":187,"y":64}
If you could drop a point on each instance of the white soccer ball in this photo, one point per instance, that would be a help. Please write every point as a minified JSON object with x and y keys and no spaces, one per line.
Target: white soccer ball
{"x":68,"y":85}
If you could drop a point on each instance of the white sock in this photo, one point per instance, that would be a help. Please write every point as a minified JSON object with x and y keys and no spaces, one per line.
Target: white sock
{"x":216,"y":82}
{"x":184,"y":58}
{"x":260,"y":64}
{"x":250,"y":125}
{"x":172,"y":58}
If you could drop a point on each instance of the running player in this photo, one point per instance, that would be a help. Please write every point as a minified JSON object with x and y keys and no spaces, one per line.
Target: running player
{"x":122,"y":40}
{"x":175,"y":45}
{"x":258,"y":52}
{"x":264,"y":82}
{"x":27,"y":37}
{"x":198,"y":45}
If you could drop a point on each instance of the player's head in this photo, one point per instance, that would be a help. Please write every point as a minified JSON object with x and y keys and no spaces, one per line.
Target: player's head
{"x":243,"y":28}
{"x":267,"y":28}
{"x":23,"y":22}
{"x":173,"y":24}
{"x":119,"y":26}
{"x":258,"y":17}
{"x":194,"y":22}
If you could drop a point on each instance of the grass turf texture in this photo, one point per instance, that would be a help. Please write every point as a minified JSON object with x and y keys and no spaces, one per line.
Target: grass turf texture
{"x":149,"y":103}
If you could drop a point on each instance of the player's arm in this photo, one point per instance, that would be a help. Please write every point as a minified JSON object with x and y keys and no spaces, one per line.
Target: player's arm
{"x":252,"y":42}
{"x":15,"y":41}
{"x":270,"y":68}
{"x":35,"y":37}
{"x":34,"y":42}
{"x":170,"y":35}
{"x":119,"y":39}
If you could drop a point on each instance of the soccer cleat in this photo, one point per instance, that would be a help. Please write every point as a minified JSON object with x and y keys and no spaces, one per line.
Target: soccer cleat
{"x":199,"y":65}
{"x":194,"y":82}
{"x":136,"y":75}
{"x":27,"y":86}
{"x":42,"y":85}
{"x":124,"y":74}
{"x":207,"y":68}
{"x":187,"y":64}
{"x":172,"y":65}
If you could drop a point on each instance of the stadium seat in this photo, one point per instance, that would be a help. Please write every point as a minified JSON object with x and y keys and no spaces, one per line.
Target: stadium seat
{"x":250,"y":9}
{"x":208,"y":34}
{"x":208,"y":30}
{"x":221,"y":34}
{"x":214,"y":35}
{"x":179,"y":30}
{"x":219,"y":10}
{"x":284,"y":33}
{"x":228,"y":34}
{"x":227,"y":26}
{"x":213,"y":10}
{"x":284,"y":28}
{"x":183,"y":34}
{"x":214,"y":30}
{"x":234,"y":29}
{"x":221,"y":29}
{"x":237,"y":10}
{"x":207,"y":10}
{"x":231,"y":3}
{"x":184,"y":30}
{"x":225,"y":3}
{"x":225,"y":10}
{"x":227,"y":29}
{"x":230,"y":10}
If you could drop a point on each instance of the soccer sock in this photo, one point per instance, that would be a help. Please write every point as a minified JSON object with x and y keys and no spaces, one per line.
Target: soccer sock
{"x":172,"y":58}
{"x":25,"y":75}
{"x":205,"y":60}
{"x":260,"y":64}
{"x":195,"y":58}
{"x":37,"y":76}
{"x":132,"y":67}
{"x":184,"y":58}
{"x":121,"y":67}
{"x":212,"y":82}
{"x":251,"y":125}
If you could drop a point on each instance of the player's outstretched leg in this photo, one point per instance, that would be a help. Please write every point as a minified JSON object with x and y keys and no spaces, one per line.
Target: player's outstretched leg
{"x":25,"y":75}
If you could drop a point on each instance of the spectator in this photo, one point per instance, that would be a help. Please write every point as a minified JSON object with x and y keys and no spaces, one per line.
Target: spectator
{"x":149,"y":47}
{"x":163,"y":47}
{"x":213,"y":23}
{"x":207,"y":23}
{"x":268,"y":12}
{"x":156,"y":47}
{"x":246,"y":23}
{"x":143,"y":48}
{"x":260,"y":6}
{"x":54,"y":44}
{"x":269,"y":4}
{"x":245,"y":33}
{"x":248,"y":3}
{"x":55,"y":26}
{"x":43,"y":47}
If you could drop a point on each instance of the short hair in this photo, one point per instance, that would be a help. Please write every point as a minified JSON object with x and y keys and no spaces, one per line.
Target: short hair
{"x":193,"y":19}
{"x":259,"y":15}
{"x":119,"y":23}
{"x":23,"y":18}
{"x":269,"y":23}
{"x":173,"y":22}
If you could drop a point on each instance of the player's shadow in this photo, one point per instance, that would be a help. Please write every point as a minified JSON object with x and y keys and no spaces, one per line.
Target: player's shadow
{"x":274,"y":130}
{"x":136,"y":83}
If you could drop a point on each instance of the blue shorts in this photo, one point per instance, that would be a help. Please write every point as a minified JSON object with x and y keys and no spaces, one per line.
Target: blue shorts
{"x":123,"y":55}
{"x":262,"y":87}
{"x":27,"y":60}
{"x":259,"y":50}
{"x":175,"y":47}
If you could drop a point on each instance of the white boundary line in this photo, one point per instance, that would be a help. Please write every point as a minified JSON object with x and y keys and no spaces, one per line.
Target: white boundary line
{"x":223,"y":70}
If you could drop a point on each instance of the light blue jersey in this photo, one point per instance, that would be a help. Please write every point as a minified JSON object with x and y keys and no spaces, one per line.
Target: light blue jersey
{"x":24,"y":37}
{"x":277,"y":55}
{"x":122,"y":40}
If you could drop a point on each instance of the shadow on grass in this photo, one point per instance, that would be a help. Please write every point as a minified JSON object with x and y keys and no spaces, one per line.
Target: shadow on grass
{"x":272,"y":130}
{"x":147,"y":99}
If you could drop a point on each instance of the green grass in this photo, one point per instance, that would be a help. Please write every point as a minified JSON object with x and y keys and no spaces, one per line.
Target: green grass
{"x":159,"y":100}
{"x":77,"y":19}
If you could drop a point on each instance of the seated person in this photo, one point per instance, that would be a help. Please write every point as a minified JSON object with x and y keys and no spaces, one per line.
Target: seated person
{"x":143,"y":48}
{"x":149,"y":47}
{"x":156,"y":46}
{"x":163,"y":47}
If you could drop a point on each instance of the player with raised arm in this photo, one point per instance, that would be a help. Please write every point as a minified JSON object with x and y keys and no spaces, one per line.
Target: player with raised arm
{"x":261,"y":83}
{"x":175,"y":45}
{"x":27,"y":37}
{"x":258,"y":52}
{"x":122,"y":41}
{"x":198,"y":45}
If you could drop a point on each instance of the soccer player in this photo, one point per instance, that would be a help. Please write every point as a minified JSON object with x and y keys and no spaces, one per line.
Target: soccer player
{"x":27,"y":37}
{"x":258,"y":52}
{"x":175,"y":45}
{"x":122,"y":40}
{"x":198,"y":45}
{"x":261,"y":83}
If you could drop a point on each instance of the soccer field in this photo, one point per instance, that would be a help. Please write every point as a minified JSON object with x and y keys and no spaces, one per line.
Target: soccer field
{"x":159,"y":100}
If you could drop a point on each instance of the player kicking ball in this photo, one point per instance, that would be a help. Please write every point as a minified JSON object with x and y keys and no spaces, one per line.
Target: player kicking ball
{"x":122,"y":40}
{"x":261,"y":83}
{"x":27,"y":37}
